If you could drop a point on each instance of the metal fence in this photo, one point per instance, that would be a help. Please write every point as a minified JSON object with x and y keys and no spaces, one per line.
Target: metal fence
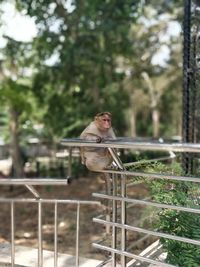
{"x":116,"y":243}
{"x":30,"y":183}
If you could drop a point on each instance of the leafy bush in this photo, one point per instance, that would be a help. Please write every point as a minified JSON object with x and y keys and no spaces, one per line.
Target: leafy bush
{"x":180,"y":223}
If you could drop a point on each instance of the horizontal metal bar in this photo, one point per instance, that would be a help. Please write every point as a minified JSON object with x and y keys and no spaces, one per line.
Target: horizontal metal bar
{"x":122,"y":143}
{"x":33,"y":181}
{"x":22,"y":181}
{"x":34,"y":200}
{"x":143,"y":162}
{"x":147,"y":203}
{"x":144,"y":231}
{"x":154,"y":175}
{"x":130,"y":255}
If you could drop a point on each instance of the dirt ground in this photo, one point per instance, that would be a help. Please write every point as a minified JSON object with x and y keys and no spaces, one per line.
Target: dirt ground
{"x":26,"y":216}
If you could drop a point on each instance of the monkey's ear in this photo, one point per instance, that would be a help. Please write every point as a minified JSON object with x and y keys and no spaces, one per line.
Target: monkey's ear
{"x":96,"y":118}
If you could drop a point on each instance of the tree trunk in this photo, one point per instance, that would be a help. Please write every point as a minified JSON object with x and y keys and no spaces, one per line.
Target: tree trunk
{"x":95,"y":96}
{"x":156,"y":122}
{"x":18,"y":171}
{"x":132,"y":124}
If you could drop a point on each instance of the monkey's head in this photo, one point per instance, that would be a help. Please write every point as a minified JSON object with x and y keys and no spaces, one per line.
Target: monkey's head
{"x":103,"y":121}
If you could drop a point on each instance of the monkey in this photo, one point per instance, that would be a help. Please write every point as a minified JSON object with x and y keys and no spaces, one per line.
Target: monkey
{"x":97,"y":130}
{"x":99,"y":158}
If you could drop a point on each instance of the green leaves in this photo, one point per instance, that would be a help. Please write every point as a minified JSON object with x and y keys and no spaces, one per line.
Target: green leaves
{"x":174,"y":222}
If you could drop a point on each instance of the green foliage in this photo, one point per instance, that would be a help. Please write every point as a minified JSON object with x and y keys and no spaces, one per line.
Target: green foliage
{"x":88,"y":56}
{"x":180,"y":223}
{"x":84,"y":79}
{"x":174,"y":222}
{"x":185,"y":225}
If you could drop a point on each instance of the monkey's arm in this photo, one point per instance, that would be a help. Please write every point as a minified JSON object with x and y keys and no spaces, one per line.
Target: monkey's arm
{"x":89,"y":137}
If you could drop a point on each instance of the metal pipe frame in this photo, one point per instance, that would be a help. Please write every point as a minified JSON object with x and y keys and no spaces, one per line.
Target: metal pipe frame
{"x":133,"y":256}
{"x":77,"y":233}
{"x":140,"y":146}
{"x":114,"y":218}
{"x":50,"y":201}
{"x":120,"y":174}
{"x":127,"y":173}
{"x":121,"y":143}
{"x":154,"y":175}
{"x":147,"y":203}
{"x":33,"y":190}
{"x":39,"y":202}
{"x":149,"y":232}
{"x":120,"y":166}
{"x":123,"y":220}
{"x":32,"y":181}
{"x":171,"y":156}
{"x":40,"y":248}
{"x":55,"y":234}
{"x":12,"y":208}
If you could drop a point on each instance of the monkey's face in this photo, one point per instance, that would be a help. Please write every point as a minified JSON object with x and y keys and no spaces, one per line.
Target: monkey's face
{"x":103,"y":122}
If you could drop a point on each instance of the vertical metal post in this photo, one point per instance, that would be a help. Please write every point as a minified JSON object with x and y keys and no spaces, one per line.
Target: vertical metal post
{"x":123,"y":219}
{"x":114,"y":219}
{"x":55,"y":234}
{"x":12,"y":234}
{"x":40,"y":252}
{"x":108,"y":185}
{"x":116,"y":158}
{"x":77,"y":234}
{"x":69,"y":173}
{"x":120,"y":165}
{"x":186,"y":82}
{"x":195,"y":45}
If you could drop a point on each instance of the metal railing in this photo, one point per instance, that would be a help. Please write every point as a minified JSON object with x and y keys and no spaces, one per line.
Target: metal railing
{"x":118,"y":199}
{"x":120,"y":176}
{"x":40,"y":201}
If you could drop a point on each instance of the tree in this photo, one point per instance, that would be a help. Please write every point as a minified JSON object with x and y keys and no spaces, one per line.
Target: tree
{"x":90,"y":55}
{"x":148,"y":83}
{"x":14,"y":97}
{"x":86,"y":37}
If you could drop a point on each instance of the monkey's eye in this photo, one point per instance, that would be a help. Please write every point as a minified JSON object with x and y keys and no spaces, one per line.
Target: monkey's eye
{"x":108,"y":120}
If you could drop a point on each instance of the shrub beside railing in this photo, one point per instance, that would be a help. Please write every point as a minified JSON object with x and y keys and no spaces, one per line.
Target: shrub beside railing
{"x":179,"y":223}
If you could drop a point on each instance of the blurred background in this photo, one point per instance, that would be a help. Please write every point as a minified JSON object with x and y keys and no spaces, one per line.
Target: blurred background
{"x":63,"y":61}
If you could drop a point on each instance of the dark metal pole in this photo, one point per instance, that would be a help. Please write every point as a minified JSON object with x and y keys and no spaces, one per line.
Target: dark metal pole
{"x":186,"y":82}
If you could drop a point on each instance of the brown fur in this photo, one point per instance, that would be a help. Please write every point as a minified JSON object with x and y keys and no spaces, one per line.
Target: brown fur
{"x":96,"y":158}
